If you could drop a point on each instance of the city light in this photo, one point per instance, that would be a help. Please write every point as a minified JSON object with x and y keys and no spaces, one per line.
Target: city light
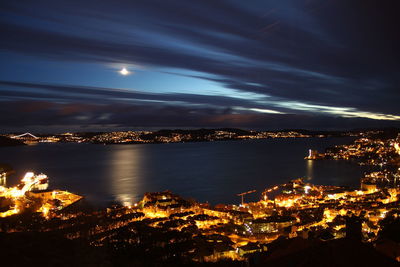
{"x":296,"y":208}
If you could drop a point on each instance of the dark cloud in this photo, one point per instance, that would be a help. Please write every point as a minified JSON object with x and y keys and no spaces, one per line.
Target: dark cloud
{"x":57,"y":117}
{"x":69,"y":93}
{"x":334,"y":54}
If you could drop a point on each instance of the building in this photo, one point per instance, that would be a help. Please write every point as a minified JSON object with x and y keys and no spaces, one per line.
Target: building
{"x":270,"y":224}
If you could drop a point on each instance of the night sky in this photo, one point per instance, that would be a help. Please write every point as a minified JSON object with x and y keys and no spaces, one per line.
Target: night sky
{"x":189,"y":64}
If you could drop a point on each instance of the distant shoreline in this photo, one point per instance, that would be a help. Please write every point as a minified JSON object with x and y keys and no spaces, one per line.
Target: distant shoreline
{"x":176,"y":136}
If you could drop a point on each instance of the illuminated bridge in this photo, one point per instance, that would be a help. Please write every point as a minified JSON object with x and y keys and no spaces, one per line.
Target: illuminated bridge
{"x":25,"y":136}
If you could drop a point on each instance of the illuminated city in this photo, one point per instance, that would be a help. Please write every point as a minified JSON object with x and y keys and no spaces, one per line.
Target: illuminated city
{"x":163,"y":136}
{"x":297,"y":209}
{"x":32,"y":194}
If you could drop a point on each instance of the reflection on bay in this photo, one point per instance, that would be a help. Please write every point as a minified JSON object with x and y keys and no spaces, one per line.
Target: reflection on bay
{"x":310,"y":169}
{"x":126,"y":174}
{"x":3,"y":179}
{"x":213,"y":172}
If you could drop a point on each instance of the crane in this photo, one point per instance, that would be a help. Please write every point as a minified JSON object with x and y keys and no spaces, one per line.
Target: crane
{"x":245,"y":193}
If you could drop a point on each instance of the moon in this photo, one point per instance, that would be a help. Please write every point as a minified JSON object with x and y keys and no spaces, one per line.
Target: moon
{"x":124,"y":71}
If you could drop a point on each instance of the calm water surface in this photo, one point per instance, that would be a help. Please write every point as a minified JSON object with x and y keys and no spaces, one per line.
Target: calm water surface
{"x":209,"y":171}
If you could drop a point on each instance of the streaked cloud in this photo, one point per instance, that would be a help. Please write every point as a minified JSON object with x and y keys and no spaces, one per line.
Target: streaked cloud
{"x":346,"y":112}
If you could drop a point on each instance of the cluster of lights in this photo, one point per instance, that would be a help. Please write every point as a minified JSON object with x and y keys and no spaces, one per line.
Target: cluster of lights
{"x":30,"y":182}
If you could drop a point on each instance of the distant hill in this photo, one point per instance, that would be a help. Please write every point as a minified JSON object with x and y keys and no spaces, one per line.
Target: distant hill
{"x":202,"y":132}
